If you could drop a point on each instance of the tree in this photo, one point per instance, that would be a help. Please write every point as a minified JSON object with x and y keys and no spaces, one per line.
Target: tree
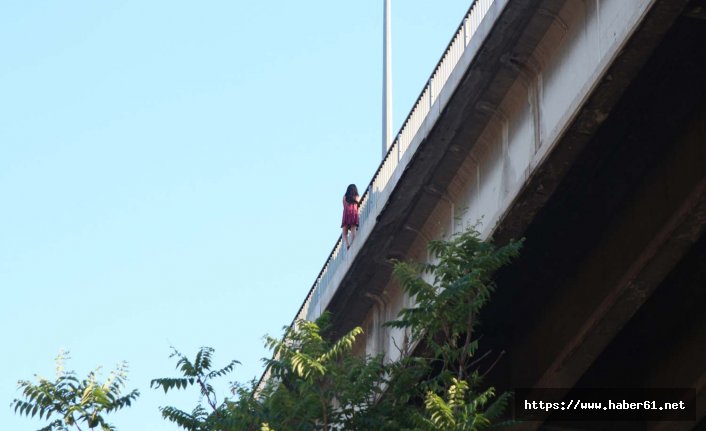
{"x":70,"y":402}
{"x":318,"y":384}
{"x":459,"y":411}
{"x":444,"y":320}
{"x":315,"y":384}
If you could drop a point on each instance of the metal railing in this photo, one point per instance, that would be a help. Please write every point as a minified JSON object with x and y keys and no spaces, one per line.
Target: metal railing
{"x":380,"y":186}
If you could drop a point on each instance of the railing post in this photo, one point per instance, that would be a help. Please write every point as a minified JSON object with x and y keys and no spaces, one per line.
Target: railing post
{"x":431,"y":92}
{"x":466,"y":33}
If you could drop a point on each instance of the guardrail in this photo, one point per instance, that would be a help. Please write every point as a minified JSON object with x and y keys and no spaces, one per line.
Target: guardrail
{"x":390,"y":169}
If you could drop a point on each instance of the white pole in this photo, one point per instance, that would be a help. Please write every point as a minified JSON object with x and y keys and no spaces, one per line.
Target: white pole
{"x":387,"y":83}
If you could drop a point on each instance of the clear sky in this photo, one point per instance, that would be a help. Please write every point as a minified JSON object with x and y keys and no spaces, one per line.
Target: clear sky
{"x":171,"y":172}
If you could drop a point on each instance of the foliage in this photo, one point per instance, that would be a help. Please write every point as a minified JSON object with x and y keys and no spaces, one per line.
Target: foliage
{"x":449,"y":295}
{"x":199,"y":372}
{"x":447,"y":307}
{"x":317,"y":384}
{"x":461,"y":410}
{"x":70,"y":402}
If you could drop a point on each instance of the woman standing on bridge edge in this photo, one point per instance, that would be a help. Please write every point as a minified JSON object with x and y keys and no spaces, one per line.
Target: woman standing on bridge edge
{"x":351,"y":200}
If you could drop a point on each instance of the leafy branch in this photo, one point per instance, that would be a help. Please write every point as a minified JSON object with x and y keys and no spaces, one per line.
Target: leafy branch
{"x":198,"y":372}
{"x":70,"y":402}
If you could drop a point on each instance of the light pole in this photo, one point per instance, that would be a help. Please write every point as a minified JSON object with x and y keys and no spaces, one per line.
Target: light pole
{"x":386,"y":82}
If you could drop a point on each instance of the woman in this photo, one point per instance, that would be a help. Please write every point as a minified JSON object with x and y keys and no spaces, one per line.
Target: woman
{"x":351,"y":200}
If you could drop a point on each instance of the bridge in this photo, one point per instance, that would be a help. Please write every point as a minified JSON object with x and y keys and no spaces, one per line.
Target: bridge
{"x":581,"y":126}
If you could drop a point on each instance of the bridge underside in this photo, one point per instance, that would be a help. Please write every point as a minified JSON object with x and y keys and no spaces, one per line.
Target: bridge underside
{"x":610,"y":287}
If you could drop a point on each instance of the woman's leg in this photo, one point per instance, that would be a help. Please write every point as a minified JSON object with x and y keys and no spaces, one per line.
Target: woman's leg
{"x":345,"y":237}
{"x":354,"y":229}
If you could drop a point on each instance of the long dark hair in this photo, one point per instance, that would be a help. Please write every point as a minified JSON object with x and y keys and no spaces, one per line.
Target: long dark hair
{"x":351,"y":193}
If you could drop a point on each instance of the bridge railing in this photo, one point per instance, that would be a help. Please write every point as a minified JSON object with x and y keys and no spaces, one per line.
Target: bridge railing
{"x":389,"y":171}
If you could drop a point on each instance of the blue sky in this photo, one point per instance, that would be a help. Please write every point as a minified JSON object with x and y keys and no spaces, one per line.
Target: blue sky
{"x":171,"y":172}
